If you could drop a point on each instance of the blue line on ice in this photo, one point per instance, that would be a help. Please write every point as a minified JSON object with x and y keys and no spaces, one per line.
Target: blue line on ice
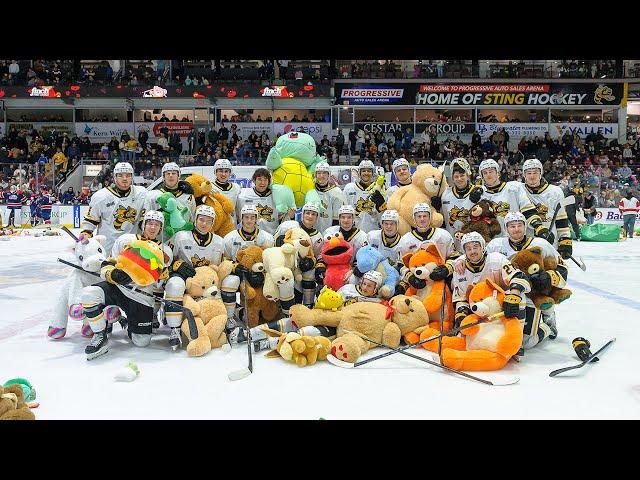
{"x":627,"y":302}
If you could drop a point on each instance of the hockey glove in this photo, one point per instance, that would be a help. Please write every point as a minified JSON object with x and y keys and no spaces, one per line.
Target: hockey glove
{"x":416,"y":282}
{"x":511,"y":305}
{"x":306,"y":264}
{"x":255,"y":279}
{"x":357,"y":272}
{"x":476,"y":194}
{"x":185,"y":187}
{"x":320,"y":271}
{"x":541,"y":231}
{"x":540,"y":281}
{"x":551,"y":238}
{"x":436,"y":202}
{"x":184,"y":269}
{"x":116,"y":276}
{"x":565,"y":248}
{"x":401,"y":288}
{"x":441,"y":272}
{"x":378,"y":199}
{"x":460,"y":316}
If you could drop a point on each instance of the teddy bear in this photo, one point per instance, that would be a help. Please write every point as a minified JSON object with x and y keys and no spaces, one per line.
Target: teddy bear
{"x":204,"y":194}
{"x":369,"y":258}
{"x":486,"y":346}
{"x":259,"y":309}
{"x":303,"y":350}
{"x":531,"y":261}
{"x":384,"y":323}
{"x":421,"y":263}
{"x":426,"y":182}
{"x":89,"y":253}
{"x":305,"y":258}
{"x":482,"y":219}
{"x":209,"y":312}
{"x":12,"y":404}
{"x":279,"y":264}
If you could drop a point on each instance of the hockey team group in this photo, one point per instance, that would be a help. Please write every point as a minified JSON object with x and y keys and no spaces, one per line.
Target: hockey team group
{"x":124,"y":214}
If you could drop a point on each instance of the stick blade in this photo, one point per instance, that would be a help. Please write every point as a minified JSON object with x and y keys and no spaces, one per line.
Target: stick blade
{"x":239,"y":374}
{"x":339,"y":363}
{"x":505,"y":382}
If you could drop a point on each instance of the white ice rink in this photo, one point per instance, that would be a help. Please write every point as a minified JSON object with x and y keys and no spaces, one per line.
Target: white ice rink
{"x":173,"y":386}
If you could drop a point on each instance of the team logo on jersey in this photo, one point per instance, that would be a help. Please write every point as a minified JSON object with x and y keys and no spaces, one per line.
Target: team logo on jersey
{"x":350,"y":301}
{"x":364,"y":205}
{"x":502,"y":208}
{"x":323,"y":212}
{"x":542,"y":211}
{"x":265,"y":211}
{"x":196,"y":261}
{"x":458,"y":214}
{"x":124,"y":214}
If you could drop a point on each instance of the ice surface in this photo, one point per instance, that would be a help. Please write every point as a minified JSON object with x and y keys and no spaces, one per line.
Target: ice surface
{"x":171,"y":385}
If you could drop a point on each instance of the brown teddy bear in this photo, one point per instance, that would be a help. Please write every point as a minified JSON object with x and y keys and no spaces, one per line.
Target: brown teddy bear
{"x":203,"y":193}
{"x":482,"y":219}
{"x":12,"y":404}
{"x":209,"y":312}
{"x":384,"y":323}
{"x":259,"y":309}
{"x":530,"y":261}
{"x":426,"y":182}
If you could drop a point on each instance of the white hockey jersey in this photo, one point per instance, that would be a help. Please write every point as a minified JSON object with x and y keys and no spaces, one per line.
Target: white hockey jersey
{"x":237,"y":240}
{"x":356,"y":237}
{"x":509,"y":197}
{"x":546,"y":198}
{"x":496,"y":267}
{"x":332,"y":198}
{"x":184,"y":199}
{"x":455,"y":209}
{"x":317,"y":240}
{"x":198,"y":250}
{"x":231,"y":191}
{"x":266,"y":205}
{"x":350,"y":293}
{"x":112,"y":214}
{"x":394,"y":188}
{"x":367,"y":216}
{"x":389,"y":247}
{"x":414,"y":240}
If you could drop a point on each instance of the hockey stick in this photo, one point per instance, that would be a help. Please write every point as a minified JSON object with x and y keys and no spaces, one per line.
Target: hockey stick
{"x":444,"y":298}
{"x":193,"y":329}
{"x":588,"y":360}
{"x":245,"y":372}
{"x":448,"y":369}
{"x":64,"y":227}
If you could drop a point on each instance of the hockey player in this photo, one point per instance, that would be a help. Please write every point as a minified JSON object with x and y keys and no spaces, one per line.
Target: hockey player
{"x":15,"y":200}
{"x":261,"y":197}
{"x":331,"y":197}
{"x":387,"y":240}
{"x":116,"y":209}
{"x":546,"y":198}
{"x":137,"y":306}
{"x":402,"y":172}
{"x":171,"y":183}
{"x":508,"y":197}
{"x":222,"y":171}
{"x":45,"y":203}
{"x":247,"y":234}
{"x":196,"y":248}
{"x":368,"y":204}
{"x":458,"y":198}
{"x":480,"y":265}
{"x":517,"y":240}
{"x":367,"y":287}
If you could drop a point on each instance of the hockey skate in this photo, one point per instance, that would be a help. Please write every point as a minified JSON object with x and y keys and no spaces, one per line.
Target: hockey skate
{"x":98,"y":346}
{"x":175,"y":339}
{"x":550,"y":320}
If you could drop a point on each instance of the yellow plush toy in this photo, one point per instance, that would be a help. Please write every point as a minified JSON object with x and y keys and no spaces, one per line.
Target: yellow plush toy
{"x":426,"y":182}
{"x":302,"y":350}
{"x":204,"y":194}
{"x":209,"y":312}
{"x":329,"y":299}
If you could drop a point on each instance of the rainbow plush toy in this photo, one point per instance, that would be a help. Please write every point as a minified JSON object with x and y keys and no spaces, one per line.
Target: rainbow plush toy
{"x":293,"y":161}
{"x":143,"y":261}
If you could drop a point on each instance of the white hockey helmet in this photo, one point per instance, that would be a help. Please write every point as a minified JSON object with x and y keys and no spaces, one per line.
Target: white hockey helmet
{"x":531,"y":164}
{"x":488,"y":163}
{"x":366,"y":164}
{"x":472,"y":237}
{"x":171,"y":167}
{"x":399,"y":162}
{"x":347,"y":209}
{"x":462,"y":163}
{"x":312,"y":207}
{"x":391,"y":215}
{"x":420,"y":208}
{"x":152,"y":215}
{"x":248,"y":210}
{"x":222,"y":164}
{"x":122,"y":167}
{"x":514,"y":217}
{"x":375,"y":277}
{"x":323,"y":167}
{"x":205,"y":210}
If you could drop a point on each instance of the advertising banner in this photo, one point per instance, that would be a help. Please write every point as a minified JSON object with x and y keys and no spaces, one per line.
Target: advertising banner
{"x":385,"y":127}
{"x":316,"y":130}
{"x":611,"y":215}
{"x":348,"y":93}
{"x":244,"y":129}
{"x":154,"y":129}
{"x":608,"y":130}
{"x":68,"y":215}
{"x":449,"y":129}
{"x":44,"y":128}
{"x":101,"y":132}
{"x":515,"y":130}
